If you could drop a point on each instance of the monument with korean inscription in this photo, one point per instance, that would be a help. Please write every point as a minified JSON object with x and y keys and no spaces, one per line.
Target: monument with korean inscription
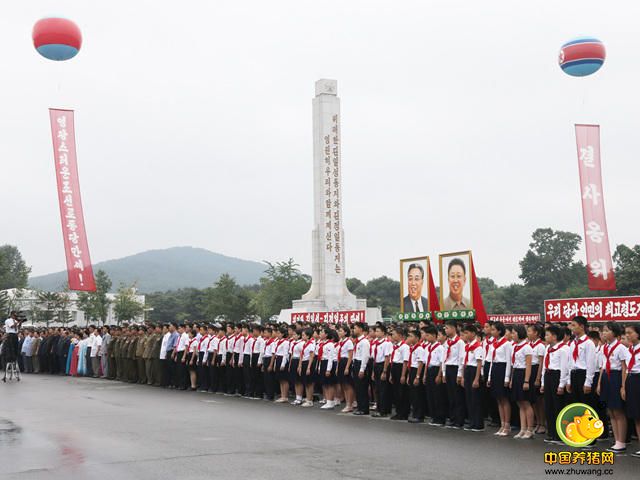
{"x":328,"y":299}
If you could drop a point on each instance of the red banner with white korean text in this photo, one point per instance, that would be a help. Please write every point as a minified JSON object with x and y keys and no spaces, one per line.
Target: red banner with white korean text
{"x":522,"y":318}
{"x":596,"y":309}
{"x":351,"y":316}
{"x":76,"y":246}
{"x":596,"y":237}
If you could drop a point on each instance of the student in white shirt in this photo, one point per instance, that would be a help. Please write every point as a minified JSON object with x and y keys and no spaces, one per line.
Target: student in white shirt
{"x":521,"y":384}
{"x":632,"y":381}
{"x":305,"y":367}
{"x":95,"y":354}
{"x":268,"y":357}
{"x":453,"y":357}
{"x":610,"y":387}
{"x":582,"y":364}
{"x":280,"y":363}
{"x":327,"y":365}
{"x":344,"y":357}
{"x":295,"y":351}
{"x":470,"y":374}
{"x":381,"y":366}
{"x":360,"y":372}
{"x":534,"y":334}
{"x":416,"y":364}
{"x":399,"y":367}
{"x":500,"y":375}
{"x":555,"y":374}
{"x":435,"y":391}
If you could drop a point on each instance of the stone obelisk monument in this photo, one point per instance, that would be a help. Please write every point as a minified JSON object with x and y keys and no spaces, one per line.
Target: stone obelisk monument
{"x":328,"y":292}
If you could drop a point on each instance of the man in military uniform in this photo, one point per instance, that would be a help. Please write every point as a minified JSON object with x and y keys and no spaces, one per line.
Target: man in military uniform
{"x":146,"y":354}
{"x":119,"y":353}
{"x":141,"y":374}
{"x":111,"y":354}
{"x":154,"y":356}
{"x":130,"y":371}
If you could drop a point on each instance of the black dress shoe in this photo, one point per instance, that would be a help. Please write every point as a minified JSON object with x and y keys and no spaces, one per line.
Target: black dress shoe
{"x":415,"y":420}
{"x":398,"y":417}
{"x":358,"y":412}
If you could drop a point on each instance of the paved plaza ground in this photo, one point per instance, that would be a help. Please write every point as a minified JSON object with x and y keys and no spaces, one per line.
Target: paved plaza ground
{"x":80,"y":428}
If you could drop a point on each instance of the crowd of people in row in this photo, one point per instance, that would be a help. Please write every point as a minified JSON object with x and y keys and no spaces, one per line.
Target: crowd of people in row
{"x":454,"y":375}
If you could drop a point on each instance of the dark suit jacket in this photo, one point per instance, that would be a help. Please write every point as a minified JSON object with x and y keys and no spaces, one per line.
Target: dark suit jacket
{"x":410,"y":308}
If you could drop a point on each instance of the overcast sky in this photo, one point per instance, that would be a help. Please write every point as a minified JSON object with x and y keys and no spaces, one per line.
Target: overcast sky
{"x":193,"y":123}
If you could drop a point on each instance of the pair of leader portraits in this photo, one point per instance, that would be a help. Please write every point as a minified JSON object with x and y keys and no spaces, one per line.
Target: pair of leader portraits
{"x":455,"y":282}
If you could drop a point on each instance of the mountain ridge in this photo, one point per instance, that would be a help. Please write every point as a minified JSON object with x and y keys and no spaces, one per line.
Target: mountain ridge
{"x":165,"y":269}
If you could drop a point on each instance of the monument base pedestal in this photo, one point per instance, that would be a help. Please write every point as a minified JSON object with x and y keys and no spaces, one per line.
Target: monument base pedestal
{"x":372,"y":314}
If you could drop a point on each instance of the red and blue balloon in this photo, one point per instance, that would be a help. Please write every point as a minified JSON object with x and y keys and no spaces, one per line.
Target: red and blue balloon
{"x":57,"y":38}
{"x":582,"y":56}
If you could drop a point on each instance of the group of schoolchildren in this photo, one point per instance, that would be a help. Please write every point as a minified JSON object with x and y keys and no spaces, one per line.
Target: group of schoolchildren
{"x":453,"y":375}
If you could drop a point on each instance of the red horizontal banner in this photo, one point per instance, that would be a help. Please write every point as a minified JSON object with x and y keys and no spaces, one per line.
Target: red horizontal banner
{"x":515,"y":318}
{"x":351,"y":316}
{"x":597,"y":309}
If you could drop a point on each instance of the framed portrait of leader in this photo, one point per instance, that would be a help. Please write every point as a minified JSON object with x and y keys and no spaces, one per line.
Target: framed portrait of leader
{"x":414,"y":284}
{"x":455,"y":281}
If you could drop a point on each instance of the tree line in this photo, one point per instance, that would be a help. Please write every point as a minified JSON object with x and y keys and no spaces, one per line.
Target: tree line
{"x":549,"y":269}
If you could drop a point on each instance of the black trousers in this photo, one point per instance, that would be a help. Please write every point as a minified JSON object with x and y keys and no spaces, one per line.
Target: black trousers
{"x":238,"y":375}
{"x":455,"y":394}
{"x":383,"y":392}
{"x":473,"y":397}
{"x":553,"y":402}
{"x":436,"y":396}
{"x":202,"y":373}
{"x":216,"y":374}
{"x":88,"y":358}
{"x":416,"y":395}
{"x":361,"y":386}
{"x":228,"y":369}
{"x":490,"y":406}
{"x":400,"y":392}
{"x":183,"y":372}
{"x":578,"y":377}
{"x":268,"y":379}
{"x":247,"y":375}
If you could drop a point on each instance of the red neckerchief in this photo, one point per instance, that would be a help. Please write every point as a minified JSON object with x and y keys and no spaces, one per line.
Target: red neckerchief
{"x":450,"y":343}
{"x":253,"y":347}
{"x":190,"y":343}
{"x":535,"y":344}
{"x":293,"y":346}
{"x":496,"y":346}
{"x":396,"y":347}
{"x":516,"y":349}
{"x":373,"y":346}
{"x":551,"y":350}
{"x":278,"y":343}
{"x":470,"y":348}
{"x":490,"y":341}
{"x":411,"y":350}
{"x":431,"y":349}
{"x":576,"y":344}
{"x":633,"y":353}
{"x":321,"y":349}
{"x":202,"y":339}
{"x":341,"y":344}
{"x":607,"y":353}
{"x":304,"y":347}
{"x":375,"y":350}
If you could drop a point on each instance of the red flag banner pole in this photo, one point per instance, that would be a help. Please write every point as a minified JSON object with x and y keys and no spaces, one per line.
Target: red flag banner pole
{"x":596,"y":237}
{"x":478,"y":304}
{"x":434,"y":303}
{"x":76,"y":246}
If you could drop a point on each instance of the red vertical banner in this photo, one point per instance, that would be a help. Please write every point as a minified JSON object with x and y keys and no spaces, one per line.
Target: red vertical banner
{"x":596,"y":236}
{"x":434,"y":303}
{"x":76,"y":246}
{"x":478,"y":304}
